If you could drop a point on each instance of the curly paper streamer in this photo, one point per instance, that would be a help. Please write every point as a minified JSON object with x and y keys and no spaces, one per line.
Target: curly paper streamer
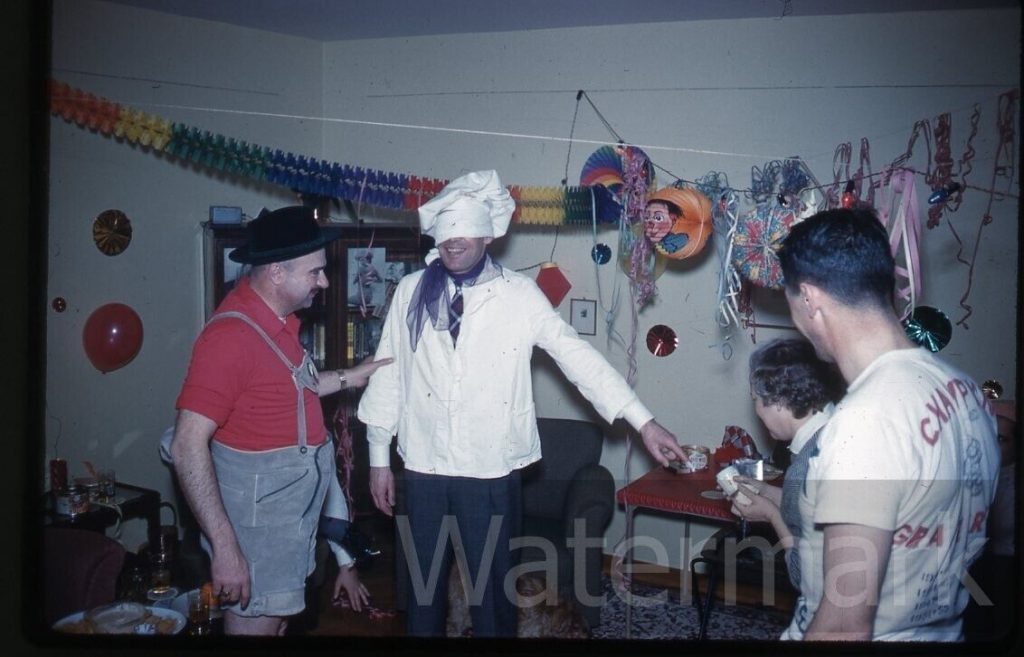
{"x":840,"y":172}
{"x":1003,"y":166}
{"x":638,"y":177}
{"x":920,"y":127}
{"x":943,"y":166}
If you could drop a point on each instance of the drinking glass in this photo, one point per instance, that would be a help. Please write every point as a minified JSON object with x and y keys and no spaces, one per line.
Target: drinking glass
{"x":107,"y":483}
{"x":199,"y":612}
{"x":160,"y":573}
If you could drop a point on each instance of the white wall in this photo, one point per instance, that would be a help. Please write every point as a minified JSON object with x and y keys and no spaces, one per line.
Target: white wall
{"x":160,"y":65}
{"x":767,"y":88}
{"x":747,"y":90}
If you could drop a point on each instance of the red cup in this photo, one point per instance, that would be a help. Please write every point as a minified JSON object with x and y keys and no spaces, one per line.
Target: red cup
{"x":58,"y":474}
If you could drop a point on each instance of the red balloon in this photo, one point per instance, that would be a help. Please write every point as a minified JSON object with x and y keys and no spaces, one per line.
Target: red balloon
{"x":112,"y":336}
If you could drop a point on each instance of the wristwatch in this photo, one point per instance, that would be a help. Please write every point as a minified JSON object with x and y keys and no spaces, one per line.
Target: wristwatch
{"x":341,"y":379}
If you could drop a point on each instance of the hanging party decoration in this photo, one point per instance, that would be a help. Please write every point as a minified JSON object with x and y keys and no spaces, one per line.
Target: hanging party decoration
{"x":638,"y":179}
{"x":553,"y":283}
{"x":59,"y":304}
{"x":661,"y":340}
{"x":604,"y":168}
{"x":601,"y":253}
{"x":759,"y":233}
{"x":654,"y":263}
{"x":112,"y":232}
{"x":942,"y":194}
{"x":898,"y":212}
{"x":1003,"y":171}
{"x":849,"y":198}
{"x":83,"y":108}
{"x":928,"y":327}
{"x":607,"y":209}
{"x":112,"y":336}
{"x":992,"y":389}
{"x":678,"y":221}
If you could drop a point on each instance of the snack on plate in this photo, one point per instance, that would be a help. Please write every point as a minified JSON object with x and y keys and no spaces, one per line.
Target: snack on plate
{"x":117,"y":617}
{"x":82,"y":626}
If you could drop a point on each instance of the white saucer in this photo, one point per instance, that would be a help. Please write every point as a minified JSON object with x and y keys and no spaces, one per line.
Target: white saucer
{"x":712,"y":494}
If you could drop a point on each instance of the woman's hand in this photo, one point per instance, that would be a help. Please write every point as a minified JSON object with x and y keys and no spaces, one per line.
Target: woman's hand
{"x":348,"y":580}
{"x":752,"y":506}
{"x":773,"y":493}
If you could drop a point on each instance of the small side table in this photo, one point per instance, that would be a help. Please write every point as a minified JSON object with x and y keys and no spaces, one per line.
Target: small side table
{"x":662,"y":489}
{"x":133,"y":502}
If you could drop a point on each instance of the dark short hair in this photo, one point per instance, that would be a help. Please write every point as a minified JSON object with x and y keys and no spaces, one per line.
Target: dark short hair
{"x":672,"y":207}
{"x":845,"y":252}
{"x":788,"y":372}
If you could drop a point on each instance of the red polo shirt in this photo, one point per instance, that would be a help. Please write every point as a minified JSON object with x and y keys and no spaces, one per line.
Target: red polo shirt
{"x":236,"y":380}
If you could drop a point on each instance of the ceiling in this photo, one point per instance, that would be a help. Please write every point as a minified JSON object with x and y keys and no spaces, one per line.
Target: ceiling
{"x":339,"y":20}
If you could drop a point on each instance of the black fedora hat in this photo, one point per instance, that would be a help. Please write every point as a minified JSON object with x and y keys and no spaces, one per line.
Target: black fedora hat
{"x":282,"y":234}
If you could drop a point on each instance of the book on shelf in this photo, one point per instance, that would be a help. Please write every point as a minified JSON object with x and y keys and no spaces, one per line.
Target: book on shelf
{"x":349,"y":348}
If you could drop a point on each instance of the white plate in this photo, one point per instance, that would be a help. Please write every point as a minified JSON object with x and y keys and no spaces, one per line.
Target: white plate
{"x":712,"y":494}
{"x":180,"y":603}
{"x":147,"y":627}
{"x":117,"y":617}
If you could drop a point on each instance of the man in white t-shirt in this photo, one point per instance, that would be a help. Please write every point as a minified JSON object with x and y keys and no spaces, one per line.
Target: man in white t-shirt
{"x":906,"y":468}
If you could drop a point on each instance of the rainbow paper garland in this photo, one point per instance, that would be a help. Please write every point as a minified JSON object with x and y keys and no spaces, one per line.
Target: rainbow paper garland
{"x":540,"y":206}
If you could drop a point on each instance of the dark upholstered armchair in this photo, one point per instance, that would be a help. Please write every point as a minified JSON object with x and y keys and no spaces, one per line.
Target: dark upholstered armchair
{"x":567,"y":485}
{"x":80,"y":571}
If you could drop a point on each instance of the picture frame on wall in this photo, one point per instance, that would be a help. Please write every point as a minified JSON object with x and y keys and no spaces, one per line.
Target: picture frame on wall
{"x":583,"y":316}
{"x":365,"y":279}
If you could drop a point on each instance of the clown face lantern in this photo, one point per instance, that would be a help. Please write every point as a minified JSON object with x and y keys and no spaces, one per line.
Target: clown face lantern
{"x":658,"y":218}
{"x":678,"y":221}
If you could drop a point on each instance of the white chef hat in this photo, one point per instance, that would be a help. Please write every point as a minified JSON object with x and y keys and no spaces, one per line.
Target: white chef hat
{"x":473,"y":205}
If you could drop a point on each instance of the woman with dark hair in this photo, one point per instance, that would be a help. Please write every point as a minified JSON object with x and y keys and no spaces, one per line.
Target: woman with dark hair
{"x":794,"y":394}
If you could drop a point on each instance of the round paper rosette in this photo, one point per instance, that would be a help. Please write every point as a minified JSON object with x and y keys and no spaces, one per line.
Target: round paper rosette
{"x":928,"y":327}
{"x":603,"y":167}
{"x":759,"y":234}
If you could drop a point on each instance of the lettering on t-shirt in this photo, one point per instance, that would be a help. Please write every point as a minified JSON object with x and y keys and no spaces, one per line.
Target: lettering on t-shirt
{"x":911,"y":537}
{"x":946,"y":402}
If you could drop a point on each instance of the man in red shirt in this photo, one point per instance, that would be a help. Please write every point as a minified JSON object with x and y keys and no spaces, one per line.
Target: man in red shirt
{"x":250,"y":447}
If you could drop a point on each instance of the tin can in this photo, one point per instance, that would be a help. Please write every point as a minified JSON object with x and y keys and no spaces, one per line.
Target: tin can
{"x":58,"y":474}
{"x":698,"y":457}
{"x":72,"y":501}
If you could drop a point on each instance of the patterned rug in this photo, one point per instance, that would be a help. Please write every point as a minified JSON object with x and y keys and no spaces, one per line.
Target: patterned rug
{"x":668,"y":618}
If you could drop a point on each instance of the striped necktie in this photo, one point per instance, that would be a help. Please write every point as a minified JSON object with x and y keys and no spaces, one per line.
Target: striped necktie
{"x":455,"y":314}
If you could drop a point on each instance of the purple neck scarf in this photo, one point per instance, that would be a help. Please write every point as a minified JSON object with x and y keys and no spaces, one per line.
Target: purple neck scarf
{"x":426,"y":298}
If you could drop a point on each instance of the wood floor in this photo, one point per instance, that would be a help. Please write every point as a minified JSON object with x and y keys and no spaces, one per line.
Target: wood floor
{"x":327,"y":619}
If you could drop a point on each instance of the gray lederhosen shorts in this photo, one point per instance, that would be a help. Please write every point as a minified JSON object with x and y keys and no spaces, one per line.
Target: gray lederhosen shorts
{"x":273,"y":500}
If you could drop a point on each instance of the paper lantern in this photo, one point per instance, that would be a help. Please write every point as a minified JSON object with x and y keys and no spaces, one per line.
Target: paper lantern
{"x":553,"y":283}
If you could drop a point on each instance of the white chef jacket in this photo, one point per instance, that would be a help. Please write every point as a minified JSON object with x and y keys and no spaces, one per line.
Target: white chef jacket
{"x":468,"y":410}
